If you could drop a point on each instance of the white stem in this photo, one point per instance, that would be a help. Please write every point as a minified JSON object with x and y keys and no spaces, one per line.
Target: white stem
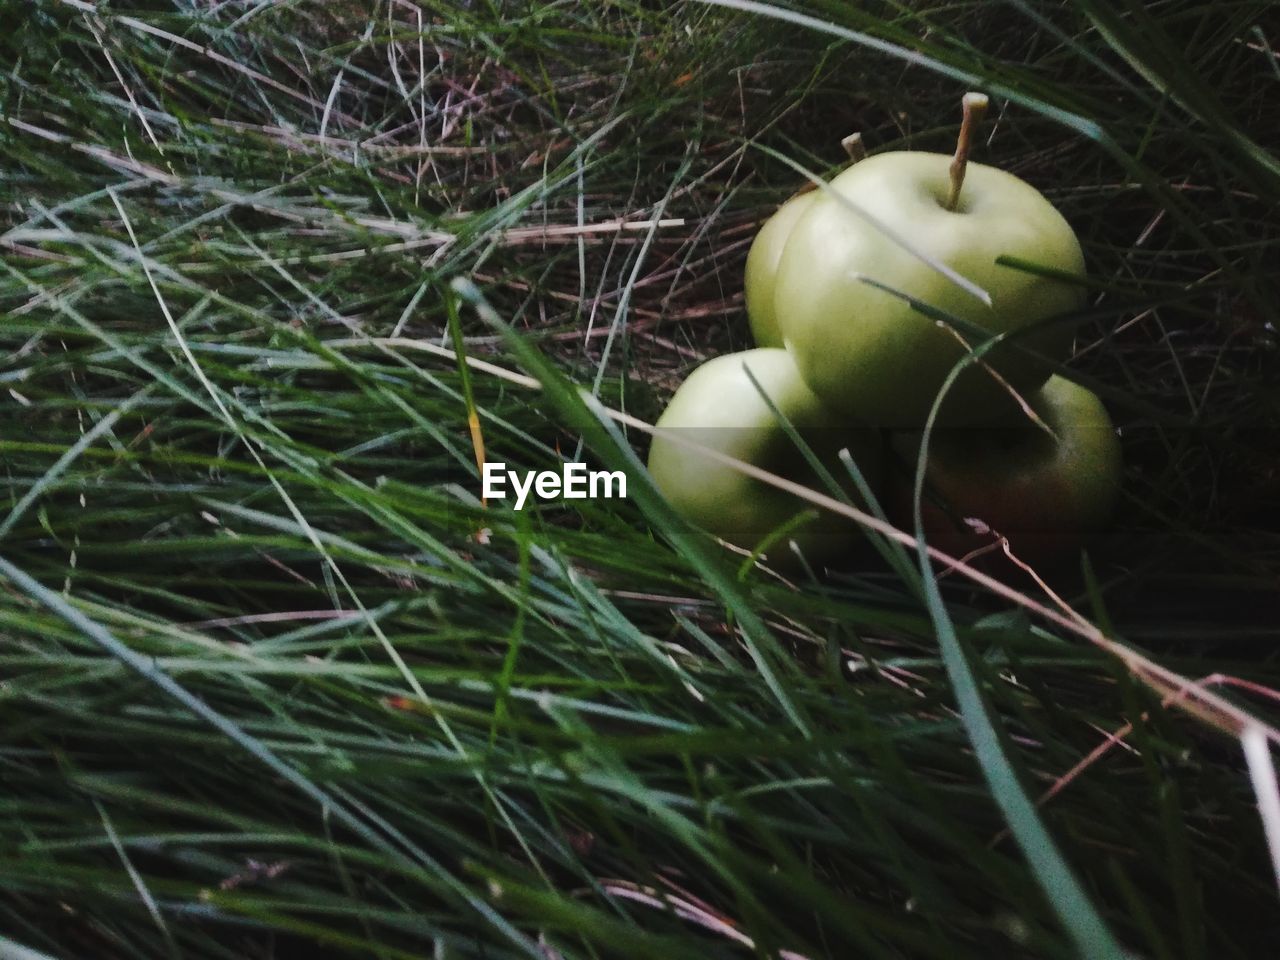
{"x":975,"y":107}
{"x":854,"y":147}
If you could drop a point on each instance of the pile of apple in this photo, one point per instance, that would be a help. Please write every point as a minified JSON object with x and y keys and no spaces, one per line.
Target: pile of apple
{"x":863,"y":296}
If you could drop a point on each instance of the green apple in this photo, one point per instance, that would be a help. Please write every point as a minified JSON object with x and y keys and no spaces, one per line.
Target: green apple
{"x":867,"y":352}
{"x":1046,"y":495}
{"x":762,"y":268}
{"x":720,"y":409}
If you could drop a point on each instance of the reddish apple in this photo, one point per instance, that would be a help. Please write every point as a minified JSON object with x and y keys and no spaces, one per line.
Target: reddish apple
{"x":1047,"y":495}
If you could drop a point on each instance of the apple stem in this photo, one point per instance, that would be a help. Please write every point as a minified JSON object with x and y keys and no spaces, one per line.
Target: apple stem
{"x":854,"y":147}
{"x":975,"y":107}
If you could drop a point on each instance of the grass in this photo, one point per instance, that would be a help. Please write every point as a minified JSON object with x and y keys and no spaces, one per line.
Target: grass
{"x":277,"y":684}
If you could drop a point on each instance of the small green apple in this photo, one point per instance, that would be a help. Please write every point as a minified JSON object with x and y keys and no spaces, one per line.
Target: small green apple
{"x":719,"y":408}
{"x":867,"y":352}
{"x":762,"y":269}
{"x":1046,"y":496}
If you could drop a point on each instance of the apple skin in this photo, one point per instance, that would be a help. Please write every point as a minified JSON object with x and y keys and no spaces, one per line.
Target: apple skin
{"x":762,"y":269}
{"x":1047,"y":497}
{"x":867,"y":352}
{"x":718,"y":407}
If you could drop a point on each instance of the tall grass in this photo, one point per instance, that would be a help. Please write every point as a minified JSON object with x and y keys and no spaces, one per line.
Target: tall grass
{"x":276,"y":683}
